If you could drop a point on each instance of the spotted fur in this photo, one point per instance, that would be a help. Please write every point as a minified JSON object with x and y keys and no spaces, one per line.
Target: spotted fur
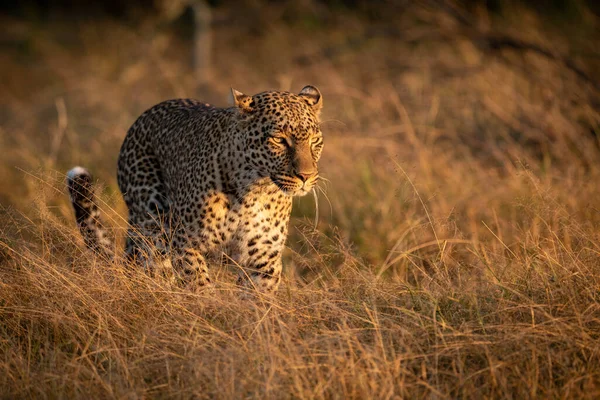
{"x":200,"y":181}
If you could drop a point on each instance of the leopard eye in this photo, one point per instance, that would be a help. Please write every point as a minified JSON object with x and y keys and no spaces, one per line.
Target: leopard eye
{"x":278,"y":140}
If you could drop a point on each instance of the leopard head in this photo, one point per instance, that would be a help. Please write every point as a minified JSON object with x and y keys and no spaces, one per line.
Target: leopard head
{"x":282,"y":136}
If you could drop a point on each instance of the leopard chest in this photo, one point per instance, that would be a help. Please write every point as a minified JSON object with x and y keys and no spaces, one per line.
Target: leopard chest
{"x":235,"y":226}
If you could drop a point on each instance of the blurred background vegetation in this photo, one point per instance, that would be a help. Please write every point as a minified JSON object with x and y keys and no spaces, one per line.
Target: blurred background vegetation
{"x":506,"y":85}
{"x":461,"y":205}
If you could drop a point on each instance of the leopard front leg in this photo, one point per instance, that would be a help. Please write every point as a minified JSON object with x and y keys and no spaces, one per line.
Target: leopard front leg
{"x":266,"y":275}
{"x":189,"y":264}
{"x":262,"y":269}
{"x":261,"y":243}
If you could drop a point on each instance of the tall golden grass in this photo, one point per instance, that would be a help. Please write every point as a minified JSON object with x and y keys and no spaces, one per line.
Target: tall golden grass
{"x":457,"y":245}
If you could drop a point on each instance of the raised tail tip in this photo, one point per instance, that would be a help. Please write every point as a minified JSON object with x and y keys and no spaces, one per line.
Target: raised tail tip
{"x":80,"y":185}
{"x":76,"y":172}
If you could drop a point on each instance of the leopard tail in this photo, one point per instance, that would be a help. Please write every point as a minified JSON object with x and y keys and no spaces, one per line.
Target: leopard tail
{"x":81,"y":191}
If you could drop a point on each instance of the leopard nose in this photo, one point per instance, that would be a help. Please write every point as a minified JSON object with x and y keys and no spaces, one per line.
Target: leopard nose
{"x":304,"y":176}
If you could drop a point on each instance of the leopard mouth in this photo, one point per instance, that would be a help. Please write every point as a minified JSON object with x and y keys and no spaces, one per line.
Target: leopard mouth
{"x":293,"y":186}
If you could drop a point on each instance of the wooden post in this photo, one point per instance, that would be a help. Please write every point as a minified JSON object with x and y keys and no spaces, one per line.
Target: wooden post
{"x":202,"y":40}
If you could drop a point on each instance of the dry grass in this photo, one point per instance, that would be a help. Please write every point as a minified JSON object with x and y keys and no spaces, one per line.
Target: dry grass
{"x":457,"y":253}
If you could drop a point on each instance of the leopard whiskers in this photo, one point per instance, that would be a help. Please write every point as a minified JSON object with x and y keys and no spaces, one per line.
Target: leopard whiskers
{"x":322,"y":178}
{"x":314,"y":192}
{"x":326,"y":197}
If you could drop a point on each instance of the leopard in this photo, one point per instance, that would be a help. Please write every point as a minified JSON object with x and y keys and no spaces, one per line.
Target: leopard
{"x":202,"y":182}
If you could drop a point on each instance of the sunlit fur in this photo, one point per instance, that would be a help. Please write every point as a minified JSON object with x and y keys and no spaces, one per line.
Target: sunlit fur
{"x":201,"y":181}
{"x":277,"y":142}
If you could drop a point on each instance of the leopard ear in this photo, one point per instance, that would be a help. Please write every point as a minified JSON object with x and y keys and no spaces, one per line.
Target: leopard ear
{"x":241,"y":100}
{"x":313,"y":97}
